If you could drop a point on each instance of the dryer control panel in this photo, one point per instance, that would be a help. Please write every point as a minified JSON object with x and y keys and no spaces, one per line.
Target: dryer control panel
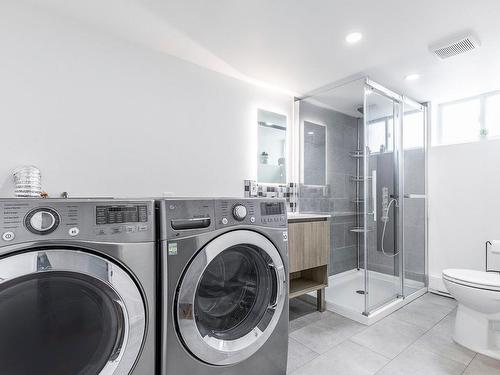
{"x":117,"y":221}
{"x":190,"y":217}
{"x":263,"y":212}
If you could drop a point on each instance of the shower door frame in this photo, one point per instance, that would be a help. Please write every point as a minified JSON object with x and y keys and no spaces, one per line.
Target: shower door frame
{"x":399,"y":102}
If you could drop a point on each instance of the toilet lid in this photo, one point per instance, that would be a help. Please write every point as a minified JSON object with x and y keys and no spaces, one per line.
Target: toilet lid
{"x":476,"y":279}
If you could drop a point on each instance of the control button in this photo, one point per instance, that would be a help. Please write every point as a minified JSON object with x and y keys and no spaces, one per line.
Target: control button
{"x":8,"y":236}
{"x":73,"y":231}
{"x":252,"y":219}
{"x":101,"y":232}
{"x":42,"y":221}
{"x":130,"y":229}
{"x":224,"y":221}
{"x":142,"y":228}
{"x":239,"y":212}
{"x":116,"y":230}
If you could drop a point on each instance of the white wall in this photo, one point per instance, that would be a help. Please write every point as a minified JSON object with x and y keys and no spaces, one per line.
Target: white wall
{"x":103,"y":116}
{"x":464,"y":205}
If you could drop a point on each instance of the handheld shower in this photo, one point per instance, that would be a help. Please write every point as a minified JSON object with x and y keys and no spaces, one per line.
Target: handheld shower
{"x":386,"y":206}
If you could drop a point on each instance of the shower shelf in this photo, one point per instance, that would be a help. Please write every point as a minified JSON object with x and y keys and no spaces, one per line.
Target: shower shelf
{"x":357,"y":154}
{"x":359,"y":230}
{"x":358,"y":201}
{"x":360,"y":178}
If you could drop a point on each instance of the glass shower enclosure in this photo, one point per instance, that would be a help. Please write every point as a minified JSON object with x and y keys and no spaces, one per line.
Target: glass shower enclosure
{"x":363,"y":160}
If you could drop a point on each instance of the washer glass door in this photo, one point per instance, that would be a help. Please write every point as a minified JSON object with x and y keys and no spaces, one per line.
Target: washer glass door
{"x":231,"y":297}
{"x":67,"y":312}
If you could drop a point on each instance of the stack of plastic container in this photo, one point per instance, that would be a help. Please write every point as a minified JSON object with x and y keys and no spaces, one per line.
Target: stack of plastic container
{"x":28,"y":182}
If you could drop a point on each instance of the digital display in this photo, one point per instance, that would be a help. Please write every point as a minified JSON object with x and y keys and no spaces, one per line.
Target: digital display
{"x":121,"y":214}
{"x":269,"y":208}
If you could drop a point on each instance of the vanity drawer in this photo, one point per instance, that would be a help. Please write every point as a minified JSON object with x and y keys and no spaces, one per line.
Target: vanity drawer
{"x":308,"y":244}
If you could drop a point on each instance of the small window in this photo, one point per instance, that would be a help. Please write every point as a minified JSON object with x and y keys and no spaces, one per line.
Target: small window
{"x":460,"y":122}
{"x":413,"y":132}
{"x":469,"y":120}
{"x":377,"y":136}
{"x":492,"y":116}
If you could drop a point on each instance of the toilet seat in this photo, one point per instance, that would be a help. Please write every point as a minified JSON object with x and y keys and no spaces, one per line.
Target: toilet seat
{"x":474,"y":279}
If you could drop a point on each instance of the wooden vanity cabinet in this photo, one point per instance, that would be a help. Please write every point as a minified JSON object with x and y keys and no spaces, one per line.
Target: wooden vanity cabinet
{"x":309,"y":253}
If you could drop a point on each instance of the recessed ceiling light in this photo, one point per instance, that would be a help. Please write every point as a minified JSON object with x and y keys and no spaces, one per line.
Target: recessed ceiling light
{"x":353,"y":37}
{"x":412,"y":77}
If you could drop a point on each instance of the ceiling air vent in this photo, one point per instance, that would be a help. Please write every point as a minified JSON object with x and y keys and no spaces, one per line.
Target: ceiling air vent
{"x":455,"y":47}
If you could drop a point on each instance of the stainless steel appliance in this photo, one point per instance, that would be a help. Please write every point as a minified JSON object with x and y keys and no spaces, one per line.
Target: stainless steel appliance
{"x":225,"y":286}
{"x":77,"y":287}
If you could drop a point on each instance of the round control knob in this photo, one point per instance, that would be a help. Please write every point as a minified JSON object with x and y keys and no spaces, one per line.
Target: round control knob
{"x":239,"y":212}
{"x":42,"y":221}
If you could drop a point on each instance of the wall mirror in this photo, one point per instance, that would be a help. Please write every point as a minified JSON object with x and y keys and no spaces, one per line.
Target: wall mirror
{"x":271,"y":154}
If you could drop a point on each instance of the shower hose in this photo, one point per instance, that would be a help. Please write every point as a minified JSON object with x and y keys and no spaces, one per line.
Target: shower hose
{"x":386,"y":219}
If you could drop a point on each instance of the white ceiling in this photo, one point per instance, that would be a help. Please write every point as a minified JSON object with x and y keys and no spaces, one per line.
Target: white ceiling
{"x":299,"y":45}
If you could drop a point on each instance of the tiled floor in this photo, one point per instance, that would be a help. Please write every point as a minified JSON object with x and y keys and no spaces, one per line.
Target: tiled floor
{"x":414,"y":340}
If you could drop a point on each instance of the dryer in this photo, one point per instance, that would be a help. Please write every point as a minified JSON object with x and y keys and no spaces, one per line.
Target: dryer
{"x":224,"y":265}
{"x":77,"y":287}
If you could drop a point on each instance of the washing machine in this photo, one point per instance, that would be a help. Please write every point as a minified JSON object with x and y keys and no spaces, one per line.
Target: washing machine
{"x":77,"y":287}
{"x":224,"y":266}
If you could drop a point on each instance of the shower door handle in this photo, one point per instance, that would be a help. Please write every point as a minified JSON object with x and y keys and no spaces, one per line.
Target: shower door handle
{"x":415,"y":196}
{"x":374,"y":194}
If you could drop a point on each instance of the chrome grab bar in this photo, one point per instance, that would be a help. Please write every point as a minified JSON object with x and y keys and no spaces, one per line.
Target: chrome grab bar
{"x":374,"y":194}
{"x":415,"y":196}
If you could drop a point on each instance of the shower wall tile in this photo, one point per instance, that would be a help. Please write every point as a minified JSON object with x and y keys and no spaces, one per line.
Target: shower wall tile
{"x":337,"y":196}
{"x":343,"y":259}
{"x":338,"y":235}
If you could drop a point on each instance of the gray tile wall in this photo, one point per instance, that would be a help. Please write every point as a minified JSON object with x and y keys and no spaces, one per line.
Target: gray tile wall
{"x":414,"y":216}
{"x":336,"y":197}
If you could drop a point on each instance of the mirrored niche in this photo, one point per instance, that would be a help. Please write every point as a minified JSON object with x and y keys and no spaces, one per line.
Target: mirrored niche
{"x":314,"y":147}
{"x":271,"y":153}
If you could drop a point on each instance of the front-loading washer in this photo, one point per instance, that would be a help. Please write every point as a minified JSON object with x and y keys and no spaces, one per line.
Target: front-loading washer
{"x":224,"y":266}
{"x":77,"y":287}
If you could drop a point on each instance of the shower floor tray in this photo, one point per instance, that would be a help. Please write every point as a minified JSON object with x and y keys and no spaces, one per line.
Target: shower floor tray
{"x":343,"y":295}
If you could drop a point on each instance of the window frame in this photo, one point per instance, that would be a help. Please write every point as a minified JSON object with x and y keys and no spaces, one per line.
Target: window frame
{"x":483,"y":129}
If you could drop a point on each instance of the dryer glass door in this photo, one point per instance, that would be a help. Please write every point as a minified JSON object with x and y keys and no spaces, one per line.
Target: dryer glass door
{"x":67,"y":312}
{"x":231,"y":297}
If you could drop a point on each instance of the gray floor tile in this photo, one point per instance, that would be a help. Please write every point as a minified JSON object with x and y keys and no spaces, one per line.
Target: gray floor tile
{"x":324,"y":334}
{"x":299,"y":308}
{"x":389,"y":337}
{"x":301,"y":321}
{"x":303,"y":314}
{"x":348,"y":358}
{"x":423,"y":313}
{"x":415,"y":361}
{"x":482,"y":365}
{"x":298,"y":355}
{"x":439,"y":300}
{"x":439,"y":341}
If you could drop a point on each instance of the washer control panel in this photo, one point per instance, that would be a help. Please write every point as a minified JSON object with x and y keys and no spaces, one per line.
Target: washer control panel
{"x":118,"y":221}
{"x":251,"y":211}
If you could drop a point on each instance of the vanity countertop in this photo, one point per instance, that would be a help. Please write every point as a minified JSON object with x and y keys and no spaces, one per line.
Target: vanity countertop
{"x":305,"y":216}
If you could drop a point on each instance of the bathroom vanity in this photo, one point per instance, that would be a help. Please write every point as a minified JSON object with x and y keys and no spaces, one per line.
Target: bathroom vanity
{"x":309,"y":252}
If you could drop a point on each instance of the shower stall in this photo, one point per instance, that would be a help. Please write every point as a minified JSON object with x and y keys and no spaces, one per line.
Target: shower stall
{"x":363,"y":160}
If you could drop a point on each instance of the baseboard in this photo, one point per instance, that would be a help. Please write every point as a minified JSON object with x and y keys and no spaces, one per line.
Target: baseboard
{"x":436,"y":285}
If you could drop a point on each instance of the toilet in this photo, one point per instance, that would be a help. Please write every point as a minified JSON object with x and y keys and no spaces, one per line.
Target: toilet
{"x":477,"y":325}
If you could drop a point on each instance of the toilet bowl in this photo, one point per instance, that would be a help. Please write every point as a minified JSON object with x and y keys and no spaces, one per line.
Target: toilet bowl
{"x":477,"y":325}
